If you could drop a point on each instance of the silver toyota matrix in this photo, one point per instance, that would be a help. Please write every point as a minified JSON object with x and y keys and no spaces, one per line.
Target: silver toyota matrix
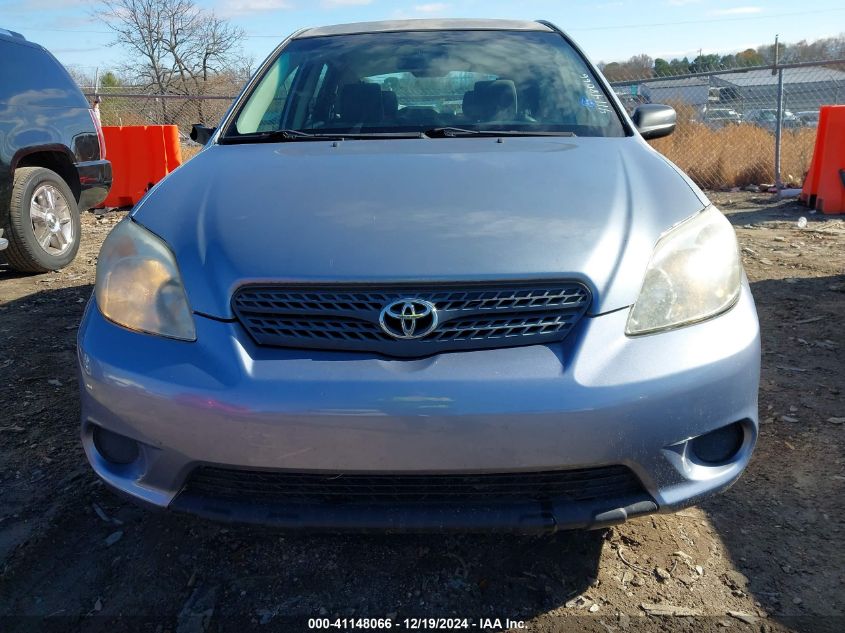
{"x":424,"y":275}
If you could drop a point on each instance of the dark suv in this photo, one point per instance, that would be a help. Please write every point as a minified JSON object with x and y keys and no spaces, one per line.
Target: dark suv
{"x":52,"y":158}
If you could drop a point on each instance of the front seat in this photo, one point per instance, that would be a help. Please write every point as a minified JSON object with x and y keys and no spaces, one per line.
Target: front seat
{"x":389,"y":104}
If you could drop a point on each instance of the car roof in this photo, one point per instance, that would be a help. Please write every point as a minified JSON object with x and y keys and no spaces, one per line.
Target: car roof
{"x":11,"y":37}
{"x":386,"y":26}
{"x":7,"y":34}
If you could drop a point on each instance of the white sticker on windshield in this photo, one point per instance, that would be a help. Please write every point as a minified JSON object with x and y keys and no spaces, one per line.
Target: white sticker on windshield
{"x":594,"y":98}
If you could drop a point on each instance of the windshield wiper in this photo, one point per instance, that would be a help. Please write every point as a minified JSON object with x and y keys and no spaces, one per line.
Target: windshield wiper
{"x":278,"y":136}
{"x":282,"y":136}
{"x":452,"y":132}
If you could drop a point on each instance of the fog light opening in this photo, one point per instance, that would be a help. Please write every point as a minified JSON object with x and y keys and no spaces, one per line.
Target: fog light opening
{"x":114,"y":447}
{"x":719,"y":446}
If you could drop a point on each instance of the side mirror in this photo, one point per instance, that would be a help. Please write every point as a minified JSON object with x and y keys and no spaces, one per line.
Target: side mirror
{"x":654,"y":120}
{"x":201,"y":134}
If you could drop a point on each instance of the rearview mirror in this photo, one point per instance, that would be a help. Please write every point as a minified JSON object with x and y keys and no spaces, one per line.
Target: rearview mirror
{"x":654,"y":120}
{"x":201,"y":134}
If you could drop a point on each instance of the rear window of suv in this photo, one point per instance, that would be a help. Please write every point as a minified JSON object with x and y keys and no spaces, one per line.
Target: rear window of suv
{"x":30,"y":76}
{"x":414,"y":81}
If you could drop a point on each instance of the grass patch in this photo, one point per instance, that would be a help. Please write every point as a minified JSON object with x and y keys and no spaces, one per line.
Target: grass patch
{"x":736,"y":155}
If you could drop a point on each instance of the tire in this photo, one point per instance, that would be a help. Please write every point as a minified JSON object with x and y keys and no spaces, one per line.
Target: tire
{"x":42,"y":209}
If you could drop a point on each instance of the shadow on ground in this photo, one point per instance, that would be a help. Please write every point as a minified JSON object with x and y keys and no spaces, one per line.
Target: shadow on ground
{"x":784,"y":210}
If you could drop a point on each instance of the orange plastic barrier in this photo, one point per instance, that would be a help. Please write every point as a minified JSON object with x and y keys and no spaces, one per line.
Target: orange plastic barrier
{"x":172,"y":147}
{"x":140,"y":156}
{"x":824,"y":185}
{"x":811,"y":180}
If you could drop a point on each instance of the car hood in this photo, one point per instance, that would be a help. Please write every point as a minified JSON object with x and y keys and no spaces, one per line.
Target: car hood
{"x":419,"y":210}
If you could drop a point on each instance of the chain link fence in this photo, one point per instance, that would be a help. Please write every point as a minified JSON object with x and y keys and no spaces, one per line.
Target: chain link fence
{"x":125,"y":106}
{"x":730,"y":128}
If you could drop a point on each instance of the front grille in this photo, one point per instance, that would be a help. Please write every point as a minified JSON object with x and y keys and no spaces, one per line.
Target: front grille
{"x":606,"y":482}
{"x":469,"y":316}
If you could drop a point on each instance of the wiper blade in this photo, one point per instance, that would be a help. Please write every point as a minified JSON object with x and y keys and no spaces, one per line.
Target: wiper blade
{"x":279,"y":136}
{"x":452,"y":132}
{"x":282,"y":136}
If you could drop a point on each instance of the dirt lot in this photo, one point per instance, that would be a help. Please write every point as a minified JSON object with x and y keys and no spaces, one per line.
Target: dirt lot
{"x":768,"y":555}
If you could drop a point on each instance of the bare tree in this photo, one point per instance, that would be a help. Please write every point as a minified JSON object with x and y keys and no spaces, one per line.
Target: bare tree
{"x":81,"y":75}
{"x":173,"y":46}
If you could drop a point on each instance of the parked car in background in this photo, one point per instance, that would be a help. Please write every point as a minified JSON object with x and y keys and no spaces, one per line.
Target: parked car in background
{"x":768,"y":117}
{"x":52,"y":158}
{"x":630,"y":101}
{"x":808,"y":118}
{"x":513,"y":315}
{"x":720,"y":117}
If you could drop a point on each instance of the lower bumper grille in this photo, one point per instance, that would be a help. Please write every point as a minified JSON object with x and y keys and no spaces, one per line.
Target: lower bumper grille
{"x":582,"y":485}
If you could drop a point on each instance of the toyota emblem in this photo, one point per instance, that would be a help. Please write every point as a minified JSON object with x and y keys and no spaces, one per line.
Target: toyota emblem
{"x":408,"y":318}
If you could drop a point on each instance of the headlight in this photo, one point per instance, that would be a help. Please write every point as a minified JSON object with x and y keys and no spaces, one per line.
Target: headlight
{"x":139,"y":286}
{"x":694,"y":274}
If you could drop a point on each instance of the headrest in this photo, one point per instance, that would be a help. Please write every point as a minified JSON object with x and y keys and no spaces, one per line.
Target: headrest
{"x":360,"y":103}
{"x":491,"y":101}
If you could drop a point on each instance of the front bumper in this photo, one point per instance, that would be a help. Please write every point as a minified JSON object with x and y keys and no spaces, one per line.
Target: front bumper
{"x":599,"y":398}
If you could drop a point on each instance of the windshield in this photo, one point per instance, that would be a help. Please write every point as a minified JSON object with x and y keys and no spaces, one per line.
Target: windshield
{"x":412,"y":82}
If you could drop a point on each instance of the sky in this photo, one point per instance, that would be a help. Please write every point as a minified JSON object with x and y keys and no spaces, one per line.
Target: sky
{"x":608,"y":30}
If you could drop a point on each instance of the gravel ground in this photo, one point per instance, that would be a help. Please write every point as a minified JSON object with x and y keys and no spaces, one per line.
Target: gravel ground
{"x":767,"y":555}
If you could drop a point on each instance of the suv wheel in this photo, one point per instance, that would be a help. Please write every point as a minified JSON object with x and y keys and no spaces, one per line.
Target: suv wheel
{"x":43,"y":222}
